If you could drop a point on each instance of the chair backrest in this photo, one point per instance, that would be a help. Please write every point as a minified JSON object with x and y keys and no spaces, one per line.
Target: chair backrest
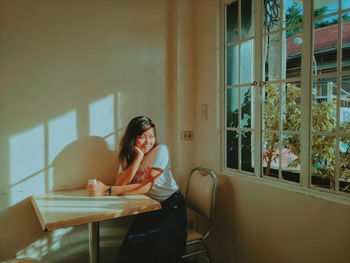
{"x":200,"y":193}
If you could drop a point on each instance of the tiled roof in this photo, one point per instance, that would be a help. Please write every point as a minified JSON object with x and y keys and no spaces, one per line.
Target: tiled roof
{"x":325,"y":38}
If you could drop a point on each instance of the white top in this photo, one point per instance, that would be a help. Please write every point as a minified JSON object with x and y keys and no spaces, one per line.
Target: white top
{"x":165,"y":185}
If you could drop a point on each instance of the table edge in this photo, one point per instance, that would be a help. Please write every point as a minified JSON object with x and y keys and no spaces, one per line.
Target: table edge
{"x":38,"y":214}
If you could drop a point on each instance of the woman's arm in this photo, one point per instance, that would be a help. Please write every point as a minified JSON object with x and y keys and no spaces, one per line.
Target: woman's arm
{"x":100,"y":189}
{"x":126,"y":176}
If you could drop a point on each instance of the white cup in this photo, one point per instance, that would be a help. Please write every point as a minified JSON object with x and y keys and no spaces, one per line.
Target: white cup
{"x":92,"y":181}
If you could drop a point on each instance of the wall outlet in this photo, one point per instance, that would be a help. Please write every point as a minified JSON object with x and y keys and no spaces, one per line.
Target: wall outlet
{"x":187,"y":135}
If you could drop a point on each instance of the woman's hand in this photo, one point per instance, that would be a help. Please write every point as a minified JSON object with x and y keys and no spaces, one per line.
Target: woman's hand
{"x":98,"y":189}
{"x":138,"y":151}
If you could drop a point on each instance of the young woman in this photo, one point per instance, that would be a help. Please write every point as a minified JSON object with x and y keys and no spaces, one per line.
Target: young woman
{"x":157,"y":236}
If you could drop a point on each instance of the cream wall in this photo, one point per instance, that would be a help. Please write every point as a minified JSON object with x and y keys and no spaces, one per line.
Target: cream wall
{"x":256,"y":222}
{"x":72,"y":74}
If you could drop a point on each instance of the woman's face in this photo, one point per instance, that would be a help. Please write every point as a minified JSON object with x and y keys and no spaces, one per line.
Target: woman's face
{"x":146,"y":140}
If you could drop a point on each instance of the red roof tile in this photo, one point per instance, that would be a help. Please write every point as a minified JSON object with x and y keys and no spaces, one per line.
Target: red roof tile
{"x":325,"y":38}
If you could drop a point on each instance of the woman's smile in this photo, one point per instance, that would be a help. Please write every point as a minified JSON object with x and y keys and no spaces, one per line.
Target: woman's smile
{"x":146,"y":140}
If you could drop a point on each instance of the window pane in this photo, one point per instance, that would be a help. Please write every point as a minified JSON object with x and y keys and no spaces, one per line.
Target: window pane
{"x":291,"y":106}
{"x":232,"y":96}
{"x":294,"y":12}
{"x":247,"y":18}
{"x":232,"y":149}
{"x":290,"y":157}
{"x":345,"y":4}
{"x":247,"y":151}
{"x":247,"y":61}
{"x":271,"y":106}
{"x":323,"y":161}
{"x":246,"y":107}
{"x":272,"y":16}
{"x":345,"y":104}
{"x":324,"y":104}
{"x":232,"y":22}
{"x":232,"y":65}
{"x":346,"y":41}
{"x":322,"y":8}
{"x":292,"y":64}
{"x":325,"y":48}
{"x":271,"y":155}
{"x":271,"y":53}
{"x":344,"y":179}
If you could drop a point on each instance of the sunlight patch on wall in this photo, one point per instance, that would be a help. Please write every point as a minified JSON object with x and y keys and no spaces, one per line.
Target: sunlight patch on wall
{"x":121,"y":105}
{"x":33,"y":185}
{"x":110,"y":140}
{"x":26,"y":154}
{"x":101,"y":113}
{"x":62,"y":131}
{"x":50,"y":179}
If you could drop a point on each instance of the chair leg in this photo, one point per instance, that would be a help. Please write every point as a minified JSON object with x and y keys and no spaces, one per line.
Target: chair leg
{"x":209,"y":257}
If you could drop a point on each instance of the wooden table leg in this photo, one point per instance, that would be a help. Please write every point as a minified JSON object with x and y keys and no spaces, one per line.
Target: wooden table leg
{"x":94,"y":242}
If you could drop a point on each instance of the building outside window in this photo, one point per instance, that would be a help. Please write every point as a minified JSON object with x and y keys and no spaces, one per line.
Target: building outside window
{"x":287,"y":92}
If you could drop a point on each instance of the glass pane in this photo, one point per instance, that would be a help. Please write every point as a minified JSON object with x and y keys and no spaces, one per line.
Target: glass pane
{"x":232,"y":65}
{"x":232,"y":22}
{"x":232,"y":96}
{"x":292,"y":63}
{"x":247,"y":61}
{"x":291,"y":106}
{"x":345,"y":104}
{"x":294,"y":12}
{"x":324,"y":58}
{"x":322,"y":7}
{"x":290,"y":157}
{"x":345,"y":4}
{"x":344,"y":178}
{"x":247,"y":18}
{"x":232,"y":149}
{"x":271,"y":53}
{"x":272,"y":16}
{"x":247,"y":151}
{"x":346,"y":41}
{"x":246,"y":107}
{"x":271,"y":106}
{"x":271,"y":155}
{"x":323,"y":161}
{"x":324,"y":104}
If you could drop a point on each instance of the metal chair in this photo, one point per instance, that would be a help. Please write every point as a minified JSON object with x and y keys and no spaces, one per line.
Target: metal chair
{"x":200,"y":197}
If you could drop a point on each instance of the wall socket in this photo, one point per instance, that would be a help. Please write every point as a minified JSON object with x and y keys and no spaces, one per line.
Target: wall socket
{"x":186,"y":135}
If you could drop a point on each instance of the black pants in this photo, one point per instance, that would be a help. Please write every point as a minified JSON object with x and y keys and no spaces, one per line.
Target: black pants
{"x":157,"y":236}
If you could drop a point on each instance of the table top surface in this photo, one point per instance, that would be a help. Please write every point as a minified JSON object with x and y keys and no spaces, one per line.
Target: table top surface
{"x":70,"y":208}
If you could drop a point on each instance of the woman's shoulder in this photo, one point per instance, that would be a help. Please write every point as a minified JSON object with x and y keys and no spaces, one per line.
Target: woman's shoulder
{"x":161,"y":147}
{"x":158,"y":150}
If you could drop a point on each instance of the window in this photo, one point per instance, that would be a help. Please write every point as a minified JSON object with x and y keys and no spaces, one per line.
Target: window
{"x":287,"y":110}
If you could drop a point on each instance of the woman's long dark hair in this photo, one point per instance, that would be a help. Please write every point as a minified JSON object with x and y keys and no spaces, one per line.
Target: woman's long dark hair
{"x":136,"y":127}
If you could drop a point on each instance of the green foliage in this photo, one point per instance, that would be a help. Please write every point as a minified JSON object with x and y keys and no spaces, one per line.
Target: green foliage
{"x":323,"y":119}
{"x":294,"y":16}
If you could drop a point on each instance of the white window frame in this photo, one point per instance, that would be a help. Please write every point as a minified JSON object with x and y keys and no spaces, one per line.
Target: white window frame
{"x":306,"y":80}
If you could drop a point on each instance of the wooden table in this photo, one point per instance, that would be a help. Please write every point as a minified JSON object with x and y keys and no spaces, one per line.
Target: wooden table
{"x":70,"y":208}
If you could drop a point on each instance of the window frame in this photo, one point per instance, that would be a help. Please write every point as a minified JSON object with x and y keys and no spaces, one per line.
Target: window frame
{"x":306,"y":80}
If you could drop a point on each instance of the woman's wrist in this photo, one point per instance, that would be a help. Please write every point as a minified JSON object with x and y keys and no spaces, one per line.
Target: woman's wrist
{"x":139,"y":154}
{"x":105,"y":191}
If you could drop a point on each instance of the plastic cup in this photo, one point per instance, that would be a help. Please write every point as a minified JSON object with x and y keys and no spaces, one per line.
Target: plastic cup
{"x":92,"y":181}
